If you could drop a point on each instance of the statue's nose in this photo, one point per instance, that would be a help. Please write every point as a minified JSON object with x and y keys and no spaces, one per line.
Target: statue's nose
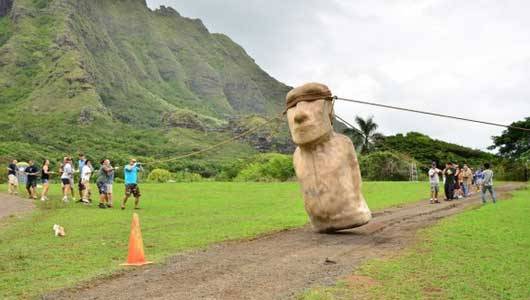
{"x":300,"y":117}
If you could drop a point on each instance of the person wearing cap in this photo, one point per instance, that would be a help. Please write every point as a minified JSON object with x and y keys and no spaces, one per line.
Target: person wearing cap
{"x":131,"y":183}
{"x":325,"y":162}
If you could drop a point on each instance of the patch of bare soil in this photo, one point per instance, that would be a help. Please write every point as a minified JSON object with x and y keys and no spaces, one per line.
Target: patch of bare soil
{"x":12,"y":205}
{"x":276,"y":266}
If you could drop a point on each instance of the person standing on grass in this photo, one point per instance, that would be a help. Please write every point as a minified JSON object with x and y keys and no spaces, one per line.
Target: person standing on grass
{"x":12,"y":172}
{"x":102,"y":181}
{"x":487,"y":183}
{"x":449,"y":174}
{"x":67,"y":179}
{"x":110,"y":181}
{"x":434,"y":180}
{"x":80,"y":164}
{"x":32,"y":173}
{"x":45,"y":177}
{"x":84,"y":184}
{"x":131,"y":183}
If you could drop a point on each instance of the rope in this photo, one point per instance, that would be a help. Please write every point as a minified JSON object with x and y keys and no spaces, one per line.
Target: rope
{"x":244,"y":133}
{"x":349,"y":124}
{"x":431,"y":113}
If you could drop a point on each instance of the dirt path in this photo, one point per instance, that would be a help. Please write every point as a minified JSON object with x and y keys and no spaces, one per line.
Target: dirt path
{"x":13,"y":205}
{"x":277,"y":266}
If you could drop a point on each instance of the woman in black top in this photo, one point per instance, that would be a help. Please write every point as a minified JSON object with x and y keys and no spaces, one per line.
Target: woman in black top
{"x":45,"y":177}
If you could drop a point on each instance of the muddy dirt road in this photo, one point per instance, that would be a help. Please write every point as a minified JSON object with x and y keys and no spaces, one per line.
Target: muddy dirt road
{"x":276,"y":266}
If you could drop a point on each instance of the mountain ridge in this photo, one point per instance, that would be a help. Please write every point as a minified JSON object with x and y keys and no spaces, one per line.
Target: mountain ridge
{"x":110,"y":68}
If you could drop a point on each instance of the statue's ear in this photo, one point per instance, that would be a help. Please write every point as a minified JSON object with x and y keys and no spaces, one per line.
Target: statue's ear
{"x":331,"y":112}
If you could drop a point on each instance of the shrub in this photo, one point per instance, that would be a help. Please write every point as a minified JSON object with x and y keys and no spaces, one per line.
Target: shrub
{"x":186,"y":177}
{"x":159,"y":175}
{"x":385,"y":165}
{"x":268,"y":167}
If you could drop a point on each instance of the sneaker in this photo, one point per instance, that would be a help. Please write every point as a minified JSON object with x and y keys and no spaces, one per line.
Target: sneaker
{"x":101,"y":205}
{"x":42,"y":199}
{"x":109,"y":205}
{"x":65,"y":200}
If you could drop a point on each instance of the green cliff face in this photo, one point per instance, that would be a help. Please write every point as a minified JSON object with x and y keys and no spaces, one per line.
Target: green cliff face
{"x":114,"y":77}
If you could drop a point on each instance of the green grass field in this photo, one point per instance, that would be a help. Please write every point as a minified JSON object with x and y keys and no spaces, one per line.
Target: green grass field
{"x":479,"y":254}
{"x":174,"y":217}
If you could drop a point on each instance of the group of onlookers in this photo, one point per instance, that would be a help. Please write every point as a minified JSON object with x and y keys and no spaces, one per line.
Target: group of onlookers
{"x":459,"y":181}
{"x":104,"y":180}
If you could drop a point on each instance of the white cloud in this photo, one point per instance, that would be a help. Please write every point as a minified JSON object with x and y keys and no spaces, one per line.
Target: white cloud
{"x":470,"y":59}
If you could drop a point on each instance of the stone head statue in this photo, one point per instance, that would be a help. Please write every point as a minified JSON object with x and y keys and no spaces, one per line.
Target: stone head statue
{"x":325,"y":162}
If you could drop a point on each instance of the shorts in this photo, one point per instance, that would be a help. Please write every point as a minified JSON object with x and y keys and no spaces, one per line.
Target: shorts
{"x":435,"y":187}
{"x":45,"y":181}
{"x":65,"y":181}
{"x":109,"y":188}
{"x":12,"y":179}
{"x":31,"y":183}
{"x":102,"y":188}
{"x":132,"y":189}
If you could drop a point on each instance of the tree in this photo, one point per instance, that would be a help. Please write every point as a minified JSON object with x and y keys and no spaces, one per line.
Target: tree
{"x":513,"y":143}
{"x":365,"y":136}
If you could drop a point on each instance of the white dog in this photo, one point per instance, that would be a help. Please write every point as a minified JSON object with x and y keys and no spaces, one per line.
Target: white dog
{"x":59,"y":230}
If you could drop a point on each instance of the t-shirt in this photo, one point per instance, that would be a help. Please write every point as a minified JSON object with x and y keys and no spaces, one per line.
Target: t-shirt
{"x":86,"y":171}
{"x":67,"y":171}
{"x":450,"y":175}
{"x":12,"y":169}
{"x":488,"y":177}
{"x":32,"y":170}
{"x":103,"y":176}
{"x":81,"y":164}
{"x":433,"y":175}
{"x":131,"y":174}
{"x":110,"y":176}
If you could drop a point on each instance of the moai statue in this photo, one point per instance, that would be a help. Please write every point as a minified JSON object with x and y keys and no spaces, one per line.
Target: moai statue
{"x":325,"y":162}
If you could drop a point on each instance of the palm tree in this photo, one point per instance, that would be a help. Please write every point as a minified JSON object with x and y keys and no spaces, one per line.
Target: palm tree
{"x":365,"y":135}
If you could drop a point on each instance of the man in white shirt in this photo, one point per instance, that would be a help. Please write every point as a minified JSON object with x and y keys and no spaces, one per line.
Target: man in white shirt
{"x":434,"y":180}
{"x":86,"y":172}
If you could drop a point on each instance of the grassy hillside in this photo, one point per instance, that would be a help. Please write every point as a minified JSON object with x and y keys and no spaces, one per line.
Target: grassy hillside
{"x":115,"y":78}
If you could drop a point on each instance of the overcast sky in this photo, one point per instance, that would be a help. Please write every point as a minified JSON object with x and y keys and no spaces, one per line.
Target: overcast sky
{"x":467,"y":58}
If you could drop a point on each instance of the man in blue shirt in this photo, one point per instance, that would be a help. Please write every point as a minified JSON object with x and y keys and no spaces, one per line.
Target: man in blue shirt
{"x":131,"y":183}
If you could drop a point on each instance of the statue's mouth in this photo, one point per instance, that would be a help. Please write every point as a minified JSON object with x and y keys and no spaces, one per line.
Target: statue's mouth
{"x":303,"y":128}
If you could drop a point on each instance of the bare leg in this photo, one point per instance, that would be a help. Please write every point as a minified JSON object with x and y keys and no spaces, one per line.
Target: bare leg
{"x":136,"y":202}
{"x":45,"y":189}
{"x":124,"y":201}
{"x":109,"y":199}
{"x":66,"y":191}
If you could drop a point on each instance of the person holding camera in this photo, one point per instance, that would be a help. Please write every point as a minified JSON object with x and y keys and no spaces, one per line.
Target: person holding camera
{"x":434,"y":180}
{"x":131,"y":183}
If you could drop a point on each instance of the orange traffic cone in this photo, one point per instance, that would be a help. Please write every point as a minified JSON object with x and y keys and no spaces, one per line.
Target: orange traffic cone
{"x":136,"y":245}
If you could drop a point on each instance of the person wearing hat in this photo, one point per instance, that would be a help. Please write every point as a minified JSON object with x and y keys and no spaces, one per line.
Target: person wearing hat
{"x":131,"y":183}
{"x":325,"y":162}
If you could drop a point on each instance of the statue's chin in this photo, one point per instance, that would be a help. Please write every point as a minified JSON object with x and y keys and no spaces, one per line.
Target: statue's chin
{"x":309,"y":139}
